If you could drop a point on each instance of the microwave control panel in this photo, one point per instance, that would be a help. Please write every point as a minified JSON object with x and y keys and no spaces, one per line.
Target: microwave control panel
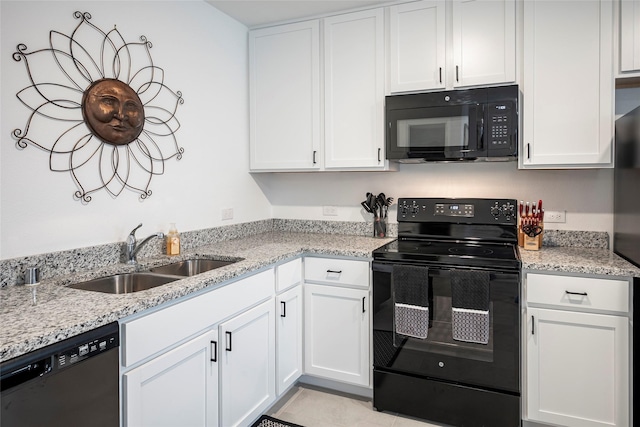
{"x":502,"y":127}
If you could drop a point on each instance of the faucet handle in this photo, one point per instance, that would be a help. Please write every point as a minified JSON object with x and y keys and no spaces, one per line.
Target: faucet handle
{"x":133,"y":232}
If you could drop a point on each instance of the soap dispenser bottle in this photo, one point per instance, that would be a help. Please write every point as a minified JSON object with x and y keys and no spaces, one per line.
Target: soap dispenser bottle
{"x":173,"y":240}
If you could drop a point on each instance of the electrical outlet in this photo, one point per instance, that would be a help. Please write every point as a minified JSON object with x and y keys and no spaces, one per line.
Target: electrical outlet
{"x":227,"y":214}
{"x":329,"y":211}
{"x":555,"y":216}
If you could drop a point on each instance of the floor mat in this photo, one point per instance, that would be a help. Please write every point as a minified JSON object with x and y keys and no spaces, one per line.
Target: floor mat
{"x":267,"y":421}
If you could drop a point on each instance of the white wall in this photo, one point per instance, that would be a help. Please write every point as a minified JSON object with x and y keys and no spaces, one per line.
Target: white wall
{"x":586,"y":195}
{"x":203,"y":54}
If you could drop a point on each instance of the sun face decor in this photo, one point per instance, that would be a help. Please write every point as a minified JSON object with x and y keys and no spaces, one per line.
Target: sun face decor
{"x":100,"y":108}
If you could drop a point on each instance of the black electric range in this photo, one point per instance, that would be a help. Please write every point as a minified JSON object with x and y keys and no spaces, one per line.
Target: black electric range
{"x":457,"y":364}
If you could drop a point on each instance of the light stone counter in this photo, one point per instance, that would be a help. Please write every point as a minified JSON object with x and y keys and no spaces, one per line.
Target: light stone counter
{"x":62,"y":312}
{"x":578,"y":260}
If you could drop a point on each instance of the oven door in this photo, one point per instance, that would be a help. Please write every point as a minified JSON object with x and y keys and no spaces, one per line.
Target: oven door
{"x":436,"y":133}
{"x":494,"y":365}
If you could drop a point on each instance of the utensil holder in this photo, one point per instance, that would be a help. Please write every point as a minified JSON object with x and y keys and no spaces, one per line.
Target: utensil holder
{"x":379,"y":227}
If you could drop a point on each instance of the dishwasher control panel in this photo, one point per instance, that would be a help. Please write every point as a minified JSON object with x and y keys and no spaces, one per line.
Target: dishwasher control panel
{"x":85,"y":350}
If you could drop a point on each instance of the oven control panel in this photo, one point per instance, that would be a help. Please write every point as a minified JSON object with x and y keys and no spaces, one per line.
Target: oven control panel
{"x":473,"y":211}
{"x":454,"y":209}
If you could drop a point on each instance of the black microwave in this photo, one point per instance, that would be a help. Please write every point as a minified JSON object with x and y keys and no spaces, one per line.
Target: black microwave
{"x":470,"y":124}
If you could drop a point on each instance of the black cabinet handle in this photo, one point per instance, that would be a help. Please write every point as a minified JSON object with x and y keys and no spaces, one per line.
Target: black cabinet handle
{"x":334,"y":271}
{"x":283,"y":312}
{"x":363,"y":304}
{"x":528,"y":151}
{"x":457,"y":79}
{"x":314,"y":156}
{"x":214,"y":351}
{"x":440,"y":73}
{"x":533,"y":325}
{"x":228,"y":348}
{"x":582,"y":294}
{"x":379,"y":149}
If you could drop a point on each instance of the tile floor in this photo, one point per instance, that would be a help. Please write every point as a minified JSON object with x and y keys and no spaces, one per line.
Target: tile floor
{"x":315,"y":407}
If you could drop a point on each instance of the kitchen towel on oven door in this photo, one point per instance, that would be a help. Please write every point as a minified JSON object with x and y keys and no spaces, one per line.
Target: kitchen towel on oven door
{"x":470,"y":306}
{"x":411,"y":300}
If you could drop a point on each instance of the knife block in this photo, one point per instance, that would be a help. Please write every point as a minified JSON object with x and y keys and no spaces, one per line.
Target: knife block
{"x":531,"y":243}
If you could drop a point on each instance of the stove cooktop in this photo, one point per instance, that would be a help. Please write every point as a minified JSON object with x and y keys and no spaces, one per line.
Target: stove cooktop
{"x":451,"y":253}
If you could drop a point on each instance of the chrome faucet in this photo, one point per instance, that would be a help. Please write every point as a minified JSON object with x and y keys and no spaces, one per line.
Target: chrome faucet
{"x":133,"y":247}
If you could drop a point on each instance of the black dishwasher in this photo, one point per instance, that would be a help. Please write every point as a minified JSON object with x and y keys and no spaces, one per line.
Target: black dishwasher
{"x":70,"y":383}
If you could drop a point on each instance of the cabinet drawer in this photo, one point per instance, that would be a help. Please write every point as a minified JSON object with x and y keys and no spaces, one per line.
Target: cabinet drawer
{"x":583,"y":292}
{"x":161,"y":329}
{"x":337,"y":271}
{"x":288,"y":274}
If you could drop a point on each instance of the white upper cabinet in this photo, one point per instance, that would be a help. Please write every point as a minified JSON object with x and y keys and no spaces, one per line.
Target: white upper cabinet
{"x":354,"y":90}
{"x":417,"y":46}
{"x":296,"y":126}
{"x":629,"y":25}
{"x":285,"y":97}
{"x":484,"y":42}
{"x":480,"y":51}
{"x":567,"y":84}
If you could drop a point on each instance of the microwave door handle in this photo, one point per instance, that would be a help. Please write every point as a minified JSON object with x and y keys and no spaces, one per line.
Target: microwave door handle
{"x":481,"y":134}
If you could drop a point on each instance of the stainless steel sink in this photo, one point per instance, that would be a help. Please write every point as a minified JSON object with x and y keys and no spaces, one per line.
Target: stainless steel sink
{"x":191,"y":267}
{"x":125,"y":283}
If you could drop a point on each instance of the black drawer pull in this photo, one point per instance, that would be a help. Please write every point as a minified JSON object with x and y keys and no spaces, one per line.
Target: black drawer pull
{"x":228,"y":348}
{"x":283,"y":312}
{"x":214,"y":351}
{"x":334,"y":271}
{"x":363,"y":306}
{"x":533,"y":325}
{"x":582,"y":294}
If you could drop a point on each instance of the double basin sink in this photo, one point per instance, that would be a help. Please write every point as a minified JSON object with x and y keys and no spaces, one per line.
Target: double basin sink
{"x":125,"y":283}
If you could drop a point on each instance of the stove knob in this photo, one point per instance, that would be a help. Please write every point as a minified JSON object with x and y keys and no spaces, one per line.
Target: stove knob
{"x":495,"y":211}
{"x":415,"y":209}
{"x":403,"y":209}
{"x":508,"y":210}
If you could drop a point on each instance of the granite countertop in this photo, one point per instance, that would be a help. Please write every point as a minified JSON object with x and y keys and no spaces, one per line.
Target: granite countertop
{"x":578,"y":260}
{"x":62,"y":312}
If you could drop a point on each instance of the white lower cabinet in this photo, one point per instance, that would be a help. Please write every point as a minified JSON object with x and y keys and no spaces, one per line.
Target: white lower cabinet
{"x":205,"y":361}
{"x":247,"y":365}
{"x":337,"y":333}
{"x":288,"y":338}
{"x":577,"y":358}
{"x":179,"y":388}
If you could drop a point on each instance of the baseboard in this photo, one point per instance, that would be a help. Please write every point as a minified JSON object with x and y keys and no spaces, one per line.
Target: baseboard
{"x":336,"y":386}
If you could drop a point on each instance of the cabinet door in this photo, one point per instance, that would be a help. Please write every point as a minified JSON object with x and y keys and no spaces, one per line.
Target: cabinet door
{"x":285,"y":97}
{"x":417,"y":46}
{"x":247,"y":365}
{"x":289,"y":338}
{"x":354,"y":90}
{"x":484,"y":42}
{"x":337,"y":333}
{"x":577,"y":368}
{"x":629,"y":36}
{"x":179,"y":387}
{"x":568,"y":84}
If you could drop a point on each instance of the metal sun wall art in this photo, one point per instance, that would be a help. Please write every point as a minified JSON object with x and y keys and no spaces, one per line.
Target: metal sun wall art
{"x":99,"y":103}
